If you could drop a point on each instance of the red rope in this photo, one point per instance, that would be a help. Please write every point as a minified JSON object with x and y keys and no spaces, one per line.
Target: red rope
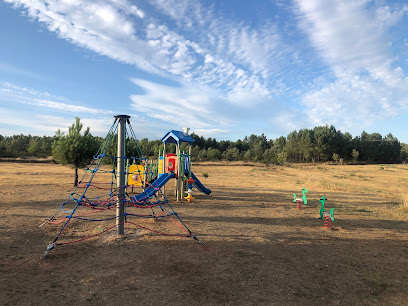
{"x":143,"y":206}
{"x":58,"y":222}
{"x":96,"y":210}
{"x":66,"y":225}
{"x":107,"y":201}
{"x":93,"y":185}
{"x":92,"y":212}
{"x":94,"y":235}
{"x":179,"y":225}
{"x":160,"y":214}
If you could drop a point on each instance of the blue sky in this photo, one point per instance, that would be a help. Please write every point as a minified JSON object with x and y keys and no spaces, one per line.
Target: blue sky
{"x":224,"y":68}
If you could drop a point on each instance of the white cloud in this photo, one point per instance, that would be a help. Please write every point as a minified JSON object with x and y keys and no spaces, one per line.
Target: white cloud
{"x":44,"y":100}
{"x":235,"y":55}
{"x":352,"y":38}
{"x":232,"y":71}
{"x":190,"y":105}
{"x":41,"y":113}
{"x":206,"y":111}
{"x":44,"y":124}
{"x":213,"y":133}
{"x":346,"y":34}
{"x":237,"y":59}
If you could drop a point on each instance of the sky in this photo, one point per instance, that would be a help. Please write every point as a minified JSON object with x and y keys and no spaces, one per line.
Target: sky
{"x":224,"y":68}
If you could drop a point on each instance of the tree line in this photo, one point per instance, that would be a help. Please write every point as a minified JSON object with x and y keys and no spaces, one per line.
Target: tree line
{"x":320,"y":144}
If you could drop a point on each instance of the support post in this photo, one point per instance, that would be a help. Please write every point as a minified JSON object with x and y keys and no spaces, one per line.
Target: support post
{"x":178,"y":172}
{"x":120,"y":175}
{"x":163,"y":169}
{"x":189,"y":160}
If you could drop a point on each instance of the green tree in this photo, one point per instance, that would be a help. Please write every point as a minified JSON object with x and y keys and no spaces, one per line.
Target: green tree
{"x":40,"y":146}
{"x":305,"y":144}
{"x":249,"y":155}
{"x":293,"y":147}
{"x":214,"y":154}
{"x":321,"y":141}
{"x":202,"y":154}
{"x":195,"y":150}
{"x":404,"y":153}
{"x":282,"y":157}
{"x":280,"y":143}
{"x":17,"y":145}
{"x":3,"y":147}
{"x":336,"y":157}
{"x":74,"y":148}
{"x":231,"y":153}
{"x":270,"y":156}
{"x":205,"y":174}
{"x":355,"y":154}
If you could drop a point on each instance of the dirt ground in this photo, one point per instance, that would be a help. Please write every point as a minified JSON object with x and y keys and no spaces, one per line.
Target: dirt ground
{"x":258,"y":248}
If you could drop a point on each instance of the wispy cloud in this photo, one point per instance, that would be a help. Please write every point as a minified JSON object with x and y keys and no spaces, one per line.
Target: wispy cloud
{"x":340,"y":68}
{"x":206,"y":110}
{"x":185,"y":105}
{"x":352,"y":38}
{"x":37,"y":112}
{"x":44,"y":100}
{"x":221,"y":63}
{"x":228,"y":55}
{"x":44,"y":124}
{"x":233,"y":54}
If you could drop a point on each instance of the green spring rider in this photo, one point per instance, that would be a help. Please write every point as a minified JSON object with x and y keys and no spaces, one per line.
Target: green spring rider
{"x":304,"y":199}
{"x":322,"y":209}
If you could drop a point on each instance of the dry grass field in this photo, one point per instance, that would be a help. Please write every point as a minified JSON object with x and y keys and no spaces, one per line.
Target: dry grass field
{"x":258,"y":248}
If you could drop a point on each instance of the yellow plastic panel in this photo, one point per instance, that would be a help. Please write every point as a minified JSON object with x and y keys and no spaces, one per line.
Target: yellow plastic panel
{"x":136,"y":175}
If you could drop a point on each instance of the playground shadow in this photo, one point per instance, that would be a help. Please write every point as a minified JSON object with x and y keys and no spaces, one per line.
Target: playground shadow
{"x":278,"y":221}
{"x":399,"y":226}
{"x":304,"y":221}
{"x":229,"y":269}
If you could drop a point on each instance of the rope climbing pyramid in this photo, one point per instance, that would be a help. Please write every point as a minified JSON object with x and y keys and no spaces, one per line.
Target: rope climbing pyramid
{"x":103,"y":195}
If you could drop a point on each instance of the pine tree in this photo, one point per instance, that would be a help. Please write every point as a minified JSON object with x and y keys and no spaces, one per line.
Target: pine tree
{"x":74,"y":148}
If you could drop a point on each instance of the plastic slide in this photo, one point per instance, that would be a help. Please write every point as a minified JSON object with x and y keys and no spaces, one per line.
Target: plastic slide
{"x":197,"y":184}
{"x":155,"y":186}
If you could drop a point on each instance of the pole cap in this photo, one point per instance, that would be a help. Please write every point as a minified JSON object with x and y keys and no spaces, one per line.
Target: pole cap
{"x":122,"y":116}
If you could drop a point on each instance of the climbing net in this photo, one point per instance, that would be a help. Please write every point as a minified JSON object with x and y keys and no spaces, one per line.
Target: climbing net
{"x":95,"y":199}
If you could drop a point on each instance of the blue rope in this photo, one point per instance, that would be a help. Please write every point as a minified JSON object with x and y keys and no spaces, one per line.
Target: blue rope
{"x":80,"y":199}
{"x":96,"y":220}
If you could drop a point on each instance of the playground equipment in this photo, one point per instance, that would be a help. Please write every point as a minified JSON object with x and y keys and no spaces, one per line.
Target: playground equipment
{"x":137,"y":175}
{"x":190,"y":191}
{"x":179,"y":163}
{"x":326,"y":216}
{"x":299,"y":204}
{"x":303,"y":199}
{"x":105,"y":188}
{"x":189,"y":196}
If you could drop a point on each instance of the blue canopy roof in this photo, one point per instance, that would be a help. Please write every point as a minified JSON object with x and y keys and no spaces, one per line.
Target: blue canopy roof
{"x":177,"y":137}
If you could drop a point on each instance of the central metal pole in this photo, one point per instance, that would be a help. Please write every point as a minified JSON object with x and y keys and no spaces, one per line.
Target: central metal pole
{"x":120,"y":175}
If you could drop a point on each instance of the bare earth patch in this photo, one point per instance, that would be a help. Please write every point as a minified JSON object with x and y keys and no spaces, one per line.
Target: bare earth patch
{"x":258,"y":248}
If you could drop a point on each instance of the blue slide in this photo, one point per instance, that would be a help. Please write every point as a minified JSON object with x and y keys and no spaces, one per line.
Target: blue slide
{"x":197,"y":184}
{"x":155,"y":186}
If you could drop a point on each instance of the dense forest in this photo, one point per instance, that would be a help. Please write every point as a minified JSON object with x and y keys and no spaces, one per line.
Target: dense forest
{"x":320,"y":144}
